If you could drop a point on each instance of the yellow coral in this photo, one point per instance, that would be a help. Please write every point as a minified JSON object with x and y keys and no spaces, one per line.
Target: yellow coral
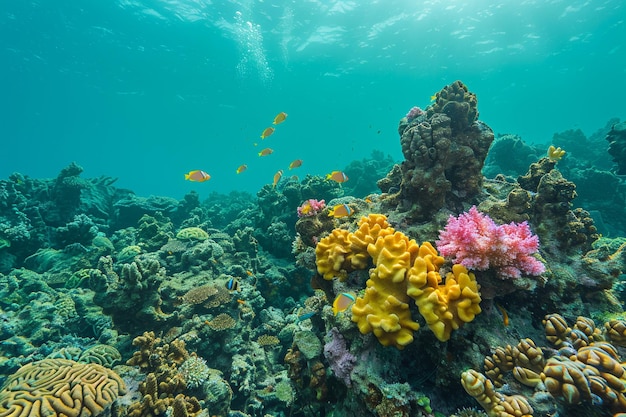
{"x":555,"y":154}
{"x":192,"y":233}
{"x":333,"y":255}
{"x":60,"y":387}
{"x":494,"y":403}
{"x":384,"y":309}
{"x":444,"y":307}
{"x":342,"y":252}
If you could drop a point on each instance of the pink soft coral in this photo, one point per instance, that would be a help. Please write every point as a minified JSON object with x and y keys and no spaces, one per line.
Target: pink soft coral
{"x":476,"y":242}
{"x":311,"y":207}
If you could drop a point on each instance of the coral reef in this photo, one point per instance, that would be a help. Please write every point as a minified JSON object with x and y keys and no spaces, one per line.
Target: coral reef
{"x":586,"y":369}
{"x":224,"y":307}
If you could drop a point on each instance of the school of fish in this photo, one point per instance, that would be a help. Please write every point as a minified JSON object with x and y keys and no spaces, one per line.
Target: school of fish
{"x":337,"y":176}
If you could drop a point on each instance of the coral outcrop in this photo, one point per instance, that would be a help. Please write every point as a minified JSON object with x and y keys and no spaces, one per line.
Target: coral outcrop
{"x":402,"y":270}
{"x":444,"y":151}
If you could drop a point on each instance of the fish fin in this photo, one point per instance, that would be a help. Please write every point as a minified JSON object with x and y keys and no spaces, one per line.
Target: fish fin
{"x":186,"y":176}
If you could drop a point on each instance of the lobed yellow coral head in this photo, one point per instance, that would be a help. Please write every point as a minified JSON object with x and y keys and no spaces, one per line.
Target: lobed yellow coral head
{"x":555,"y":154}
{"x":384,"y":309}
{"x":444,"y":307}
{"x":494,"y":403}
{"x":332,"y":255}
{"x":342,"y":252}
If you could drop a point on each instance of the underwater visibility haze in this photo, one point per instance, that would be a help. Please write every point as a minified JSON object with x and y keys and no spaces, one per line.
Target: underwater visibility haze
{"x":309,"y":208}
{"x":147,"y":91}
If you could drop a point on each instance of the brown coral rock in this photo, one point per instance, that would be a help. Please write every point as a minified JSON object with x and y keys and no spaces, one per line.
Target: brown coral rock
{"x":60,"y":387}
{"x":222,"y":322}
{"x":444,"y":155}
{"x":199,"y":295}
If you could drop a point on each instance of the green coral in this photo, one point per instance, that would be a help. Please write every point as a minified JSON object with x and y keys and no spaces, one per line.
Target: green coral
{"x":128,"y":253}
{"x":284,"y":392}
{"x":192,"y":233}
{"x":77,"y":278}
{"x":104,"y":355}
{"x":308,"y":343}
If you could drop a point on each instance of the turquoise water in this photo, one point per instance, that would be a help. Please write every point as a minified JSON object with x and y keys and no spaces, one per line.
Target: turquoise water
{"x":147,"y":91}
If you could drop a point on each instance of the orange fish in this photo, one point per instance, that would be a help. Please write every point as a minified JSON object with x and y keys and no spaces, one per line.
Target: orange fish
{"x":280,"y":117}
{"x":277,"y":177}
{"x":339,"y":211}
{"x":266,"y":151}
{"x":343,"y":302}
{"x":267,"y":132}
{"x":197,"y":176}
{"x":295,"y":164}
{"x":242,"y":168}
{"x":337,"y":176}
{"x":505,"y":315}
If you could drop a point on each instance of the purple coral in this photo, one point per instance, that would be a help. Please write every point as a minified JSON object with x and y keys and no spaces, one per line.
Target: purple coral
{"x":341,"y":361}
{"x":413,"y":113}
{"x":475,"y":241}
{"x":311,"y":207}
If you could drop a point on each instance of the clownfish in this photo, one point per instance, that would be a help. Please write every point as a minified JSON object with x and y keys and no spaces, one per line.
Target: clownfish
{"x":505,"y":315}
{"x":339,"y":211}
{"x":295,"y":164}
{"x":197,"y":176}
{"x":277,"y":177}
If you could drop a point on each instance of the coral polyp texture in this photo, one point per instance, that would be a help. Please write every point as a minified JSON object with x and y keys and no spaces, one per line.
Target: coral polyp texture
{"x":585,"y":370}
{"x":60,"y":387}
{"x":475,"y":241}
{"x":444,"y":152}
{"x":403,"y":270}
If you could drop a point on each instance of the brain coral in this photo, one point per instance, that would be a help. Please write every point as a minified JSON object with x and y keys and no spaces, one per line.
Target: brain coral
{"x":60,"y":387}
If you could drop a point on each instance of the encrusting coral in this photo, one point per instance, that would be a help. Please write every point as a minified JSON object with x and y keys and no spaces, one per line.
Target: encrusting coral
{"x":402,"y":270}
